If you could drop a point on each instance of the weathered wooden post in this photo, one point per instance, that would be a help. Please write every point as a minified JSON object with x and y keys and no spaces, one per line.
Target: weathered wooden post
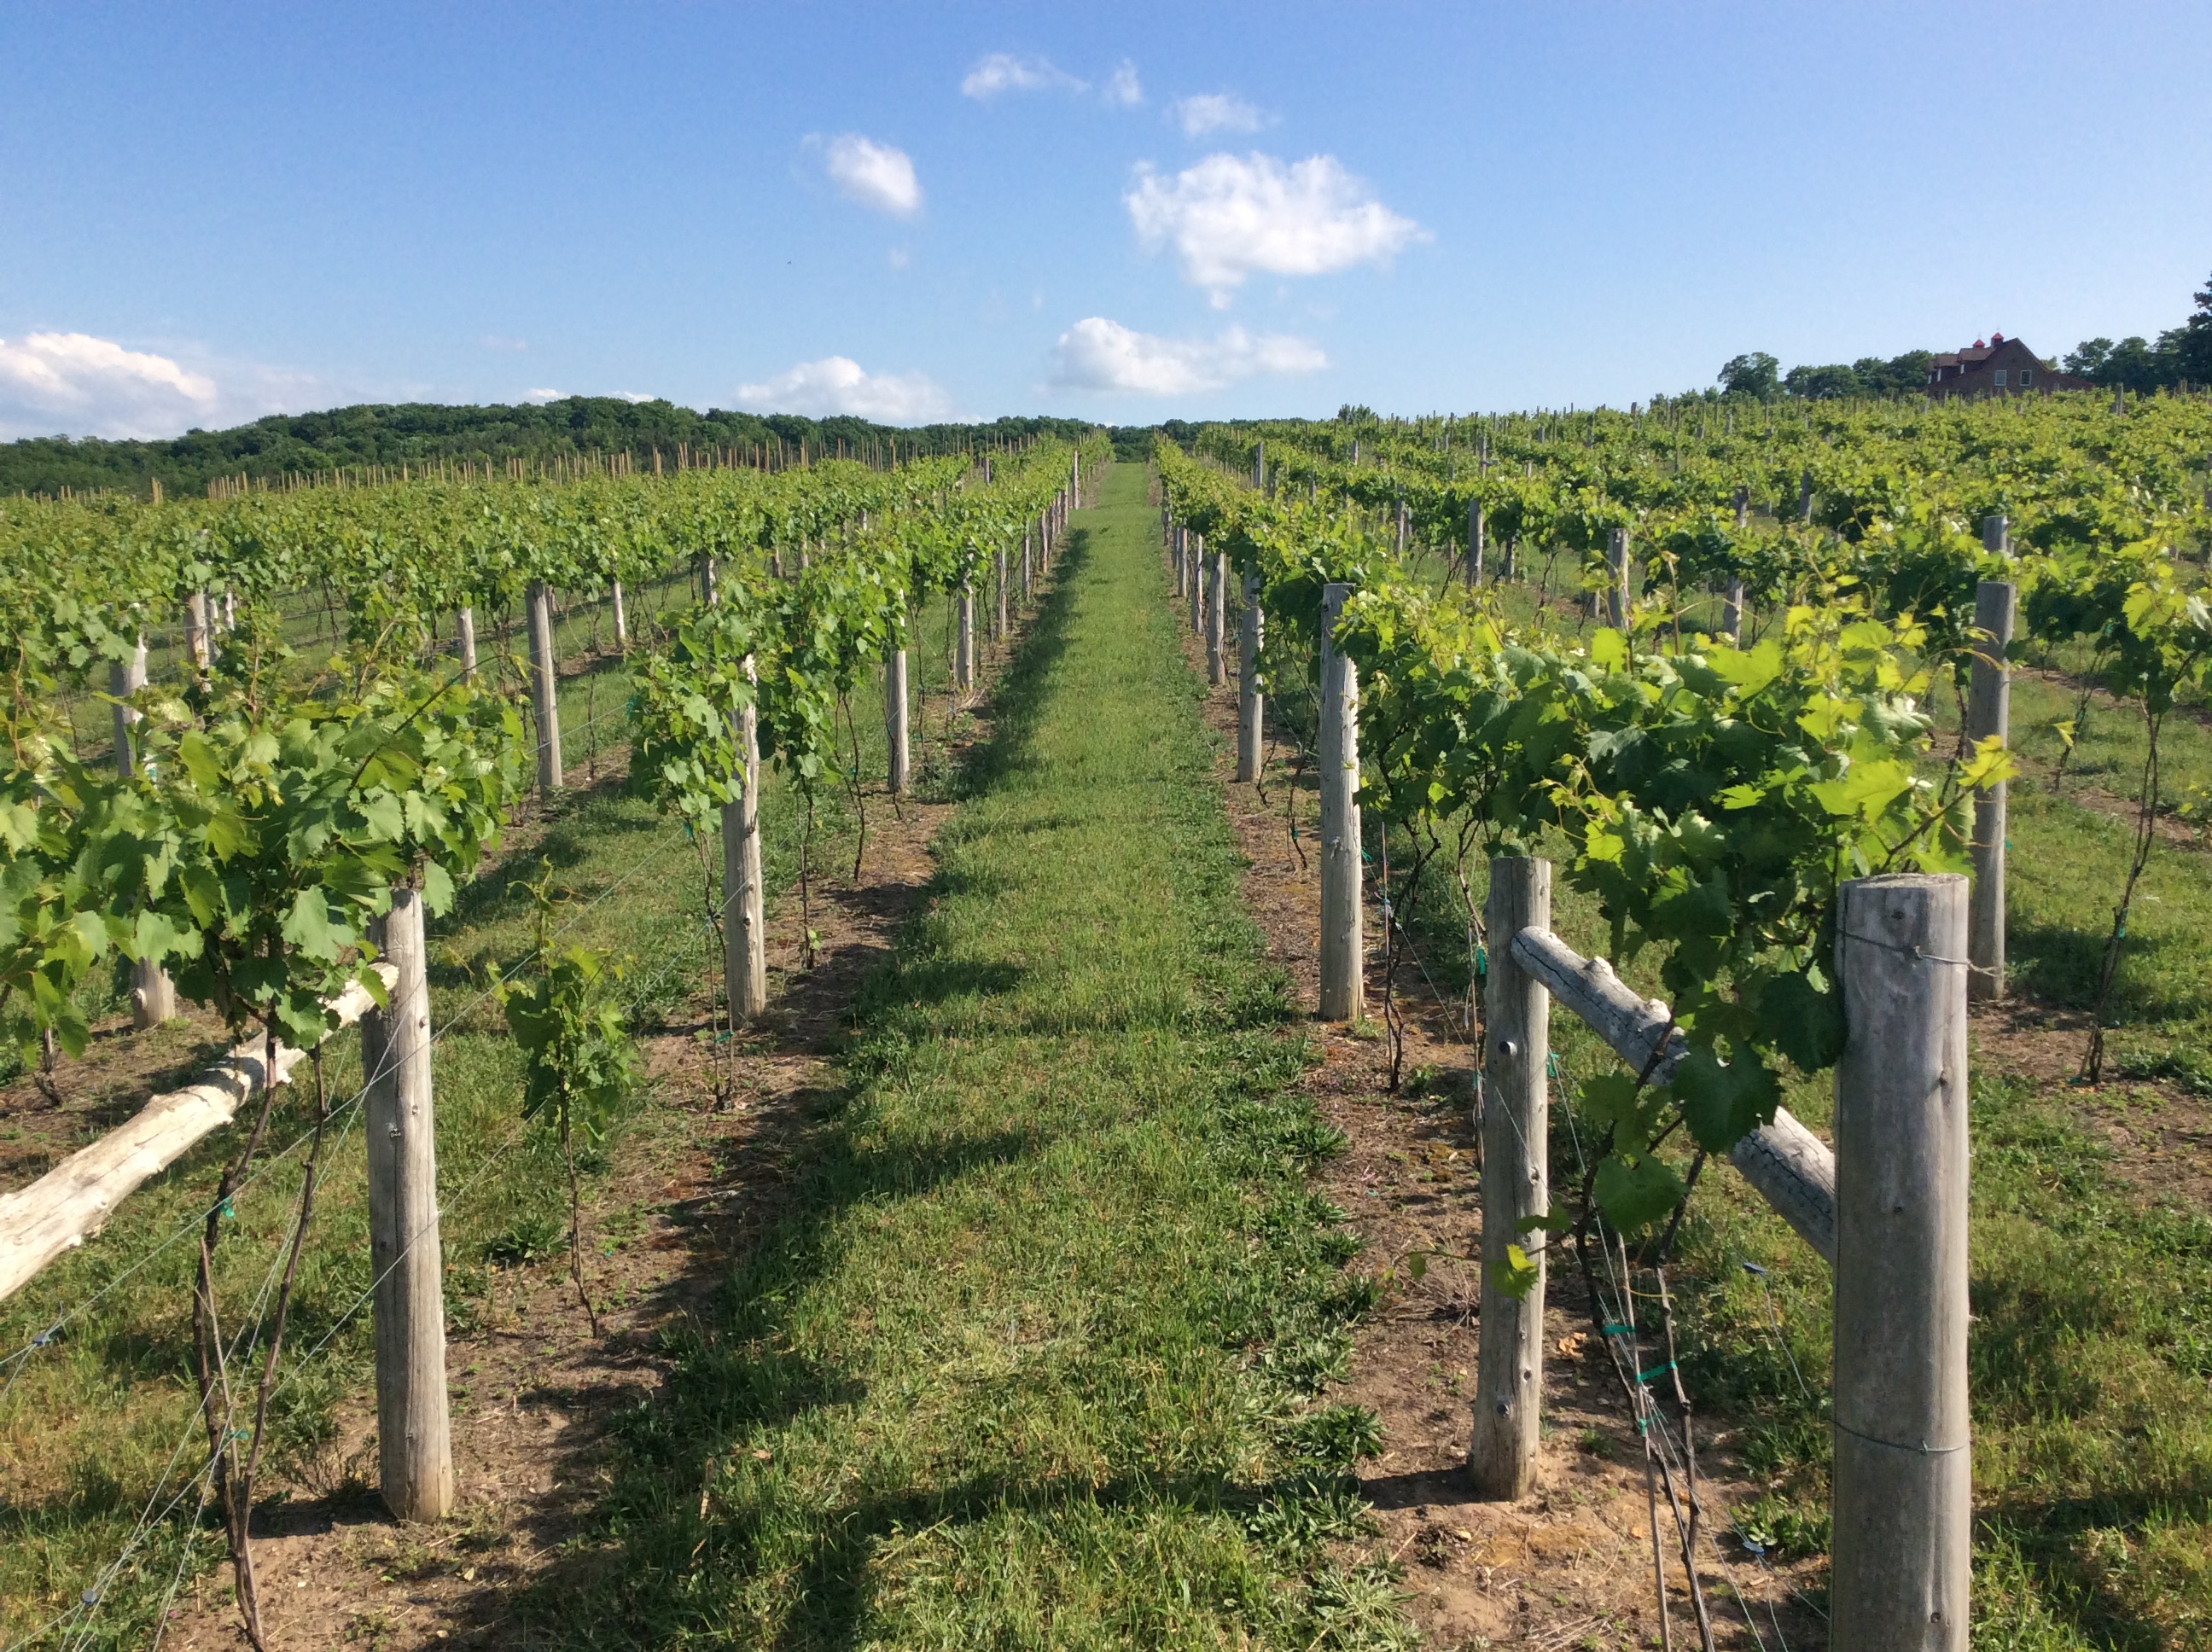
{"x":900,"y":769}
{"x":1732,"y":602}
{"x":1216,"y":603}
{"x":1988,"y":711}
{"x":153,"y":994}
{"x":1260,"y":466}
{"x":1616,"y":565}
{"x":744,"y":926}
{"x":1028,"y":577}
{"x":1342,"y":939}
{"x":1516,"y":1017}
{"x":1902,"y":1548}
{"x":1181,"y":561}
{"x":1477,"y":529}
{"x":1001,"y":616}
{"x":125,"y":678}
{"x":964,"y":660}
{"x":415,"y":1458}
{"x":1196,"y":561}
{"x":465,"y":639}
{"x":1250,"y":709}
{"x":199,"y":646}
{"x":621,"y":616}
{"x":710,"y":578}
{"x":544,"y":688}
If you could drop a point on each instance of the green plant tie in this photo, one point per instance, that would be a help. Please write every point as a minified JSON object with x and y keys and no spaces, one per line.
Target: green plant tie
{"x":1657,"y":1370}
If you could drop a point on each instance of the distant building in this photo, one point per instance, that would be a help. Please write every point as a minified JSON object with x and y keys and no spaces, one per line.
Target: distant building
{"x":2002,"y":366}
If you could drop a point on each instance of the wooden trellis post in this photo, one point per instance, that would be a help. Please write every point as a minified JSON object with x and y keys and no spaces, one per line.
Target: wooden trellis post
{"x":200,"y":647}
{"x":1988,"y":711}
{"x":1342,"y":939}
{"x":964,"y":655}
{"x":895,"y":722}
{"x":744,"y":927}
{"x":544,"y":688}
{"x":415,"y":1459}
{"x":153,"y":994}
{"x":1216,"y":593}
{"x":1732,"y":601}
{"x":1250,"y":707}
{"x":1902,"y":1550}
{"x":1515,"y":1182}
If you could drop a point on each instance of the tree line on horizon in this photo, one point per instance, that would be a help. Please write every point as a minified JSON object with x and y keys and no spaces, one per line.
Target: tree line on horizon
{"x":2180,"y":355}
{"x":425,"y":433}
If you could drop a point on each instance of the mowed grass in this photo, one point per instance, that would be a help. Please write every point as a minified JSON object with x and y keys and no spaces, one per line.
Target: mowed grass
{"x":99,"y":1441}
{"x":1032,"y":1356}
{"x":2092,"y":1339}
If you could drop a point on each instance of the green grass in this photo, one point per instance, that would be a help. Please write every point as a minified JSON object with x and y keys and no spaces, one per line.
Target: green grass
{"x":2091,"y":1342}
{"x":90,"y":1422}
{"x":1035,"y":1355}
{"x":1032,"y":1359}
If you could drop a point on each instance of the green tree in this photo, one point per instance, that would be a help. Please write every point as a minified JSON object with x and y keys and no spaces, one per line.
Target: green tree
{"x":1901,"y":375}
{"x":1754,"y":374}
{"x":1821,"y":384}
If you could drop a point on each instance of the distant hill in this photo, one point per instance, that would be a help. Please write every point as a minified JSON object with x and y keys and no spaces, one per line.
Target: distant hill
{"x":415,"y":432}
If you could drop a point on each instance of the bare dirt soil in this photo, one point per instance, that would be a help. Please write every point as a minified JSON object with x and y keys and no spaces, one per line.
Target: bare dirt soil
{"x":534,"y":1389}
{"x":1571,"y":1566}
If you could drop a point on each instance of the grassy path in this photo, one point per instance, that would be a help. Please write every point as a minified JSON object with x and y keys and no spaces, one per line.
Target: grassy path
{"x":1031,"y":1358}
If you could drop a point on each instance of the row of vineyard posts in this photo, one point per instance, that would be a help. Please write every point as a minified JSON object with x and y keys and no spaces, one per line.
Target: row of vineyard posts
{"x":1776,"y":811}
{"x":279,"y":812}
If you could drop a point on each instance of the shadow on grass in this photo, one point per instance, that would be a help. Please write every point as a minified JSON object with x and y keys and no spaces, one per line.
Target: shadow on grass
{"x":794,"y":1181}
{"x":2060,"y":964}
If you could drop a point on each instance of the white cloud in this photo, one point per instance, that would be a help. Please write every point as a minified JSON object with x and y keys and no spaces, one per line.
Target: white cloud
{"x":1216,"y":111}
{"x":1228,"y":217}
{"x":1096,"y":354}
{"x":52,"y":382}
{"x":1122,"y":86}
{"x":542,"y":396}
{"x":837,"y":384}
{"x":492,"y":341}
{"x":1002,"y":71}
{"x":874,"y":174}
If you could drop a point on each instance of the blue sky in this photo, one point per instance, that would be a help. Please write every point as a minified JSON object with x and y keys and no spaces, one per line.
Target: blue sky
{"x":1129,"y":212}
